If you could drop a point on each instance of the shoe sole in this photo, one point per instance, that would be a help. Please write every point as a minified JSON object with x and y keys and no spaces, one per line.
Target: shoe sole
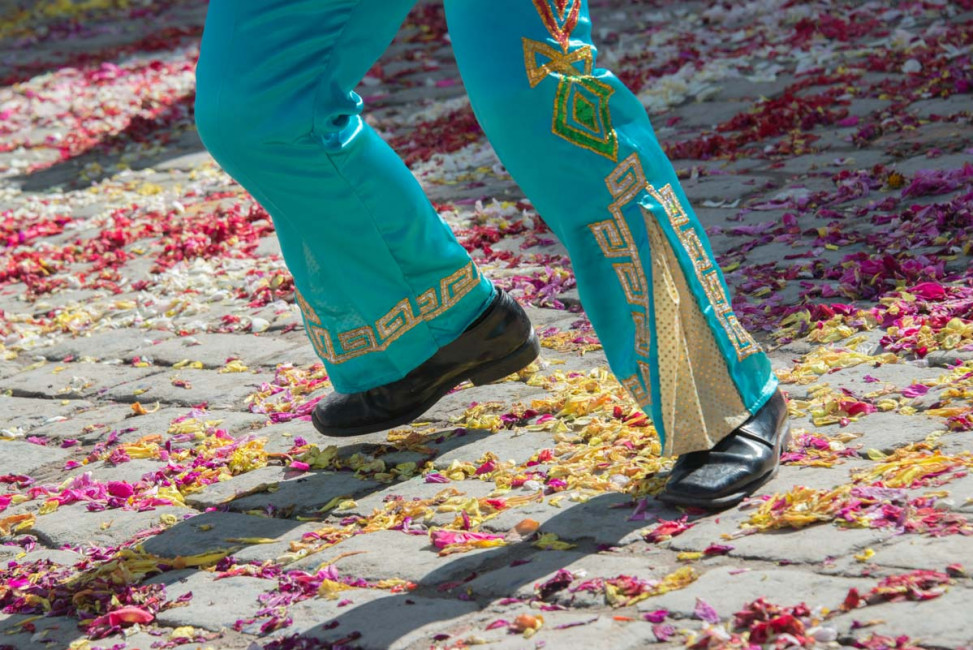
{"x":487,"y":374}
{"x":730,"y":500}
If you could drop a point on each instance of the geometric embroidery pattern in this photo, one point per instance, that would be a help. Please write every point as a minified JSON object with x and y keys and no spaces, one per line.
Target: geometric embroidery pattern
{"x":542,"y":60}
{"x":690,"y":363}
{"x":706,"y":272}
{"x":615,"y":240}
{"x":581,"y":114}
{"x":581,"y":101}
{"x":400,"y":319}
{"x":560,"y":17}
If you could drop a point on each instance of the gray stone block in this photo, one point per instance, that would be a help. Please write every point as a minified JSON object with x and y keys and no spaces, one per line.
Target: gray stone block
{"x":938,"y":623}
{"x":214,"y":531}
{"x":932,"y":554}
{"x":24,"y":414}
{"x":88,"y":425}
{"x":403,"y":620}
{"x":215,"y":389}
{"x":278,"y":550}
{"x":417,"y":488}
{"x":76,"y":526}
{"x":306,"y":494}
{"x":24,"y":457}
{"x":74,"y":380}
{"x":728,"y":589}
{"x":49,"y":633}
{"x":723,"y":188}
{"x":213,"y":350}
{"x":215,"y":604}
{"x":122,"y":344}
{"x":516,"y":445}
{"x":389,"y":554}
{"x":224,"y":492}
{"x":452,"y":407}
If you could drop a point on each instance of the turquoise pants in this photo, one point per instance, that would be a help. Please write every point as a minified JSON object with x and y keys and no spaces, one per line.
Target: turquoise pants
{"x":382,"y":281}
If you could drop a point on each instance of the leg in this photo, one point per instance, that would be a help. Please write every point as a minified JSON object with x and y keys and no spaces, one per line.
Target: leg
{"x":581,"y":146}
{"x":382,"y":281}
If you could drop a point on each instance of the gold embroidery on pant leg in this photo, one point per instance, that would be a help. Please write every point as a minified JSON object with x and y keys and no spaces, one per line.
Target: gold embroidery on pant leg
{"x":402,"y":318}
{"x":428,"y":302}
{"x":635,"y":389}
{"x":560,"y":17}
{"x":557,"y":62}
{"x":642,"y":336}
{"x":306,"y":309}
{"x":581,"y":101}
{"x":691,"y":364}
{"x":615,"y":240}
{"x":582,"y":116}
{"x":706,"y":272}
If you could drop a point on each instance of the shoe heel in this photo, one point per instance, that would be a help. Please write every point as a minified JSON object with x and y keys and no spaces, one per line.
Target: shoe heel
{"x":516,"y":360}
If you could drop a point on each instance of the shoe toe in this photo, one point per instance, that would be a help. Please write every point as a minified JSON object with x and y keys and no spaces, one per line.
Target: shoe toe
{"x":721,"y":476}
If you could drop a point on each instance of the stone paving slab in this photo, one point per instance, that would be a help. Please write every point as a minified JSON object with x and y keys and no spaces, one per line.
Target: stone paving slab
{"x":384,"y":621}
{"x":190,"y":387}
{"x":593,"y":520}
{"x":928,"y":554}
{"x":583,"y":629}
{"x":214,"y":604}
{"x":212,"y":532}
{"x":215,"y":350}
{"x":124,"y":344}
{"x":87,"y":425}
{"x":516,"y":446}
{"x":25,"y":413}
{"x":368,"y":557}
{"x":225,"y":492}
{"x":455,"y":404}
{"x":76,"y":526}
{"x":75,"y":380}
{"x":936,"y":627}
{"x":306,"y":494}
{"x":418,"y":488}
{"x":279,"y":547}
{"x":49,"y":633}
{"x":728,"y":589}
{"x":24,"y":457}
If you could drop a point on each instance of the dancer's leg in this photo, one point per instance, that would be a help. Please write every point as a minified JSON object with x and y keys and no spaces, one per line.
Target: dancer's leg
{"x":382,"y":281}
{"x":580,"y":145}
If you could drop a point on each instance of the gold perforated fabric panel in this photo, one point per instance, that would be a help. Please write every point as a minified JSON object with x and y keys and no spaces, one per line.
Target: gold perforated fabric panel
{"x":699,"y":401}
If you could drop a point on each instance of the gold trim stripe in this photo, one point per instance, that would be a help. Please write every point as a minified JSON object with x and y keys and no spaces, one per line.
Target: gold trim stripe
{"x":706,"y":272}
{"x":402,"y":318}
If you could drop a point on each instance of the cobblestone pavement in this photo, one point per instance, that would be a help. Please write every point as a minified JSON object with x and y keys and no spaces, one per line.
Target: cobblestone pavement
{"x":161,"y":485}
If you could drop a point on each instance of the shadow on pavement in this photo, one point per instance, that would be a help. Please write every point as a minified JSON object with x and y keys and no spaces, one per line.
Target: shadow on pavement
{"x":171,"y":134}
{"x":514,"y":566}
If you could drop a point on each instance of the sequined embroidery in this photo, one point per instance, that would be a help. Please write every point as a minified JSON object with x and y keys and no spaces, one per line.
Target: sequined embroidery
{"x":615,"y":240}
{"x":581,"y":112}
{"x":581,"y":115}
{"x":689,"y":361}
{"x":556,"y":62}
{"x":706,"y":272}
{"x":560,"y":17}
{"x":399,"y":320}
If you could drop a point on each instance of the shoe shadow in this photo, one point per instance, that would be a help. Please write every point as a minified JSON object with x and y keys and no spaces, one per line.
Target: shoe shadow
{"x":279,"y":502}
{"x":468,"y":583}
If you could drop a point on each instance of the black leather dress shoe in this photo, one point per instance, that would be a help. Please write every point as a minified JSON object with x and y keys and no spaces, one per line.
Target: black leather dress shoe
{"x":499,"y":343}
{"x":739,"y":464}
